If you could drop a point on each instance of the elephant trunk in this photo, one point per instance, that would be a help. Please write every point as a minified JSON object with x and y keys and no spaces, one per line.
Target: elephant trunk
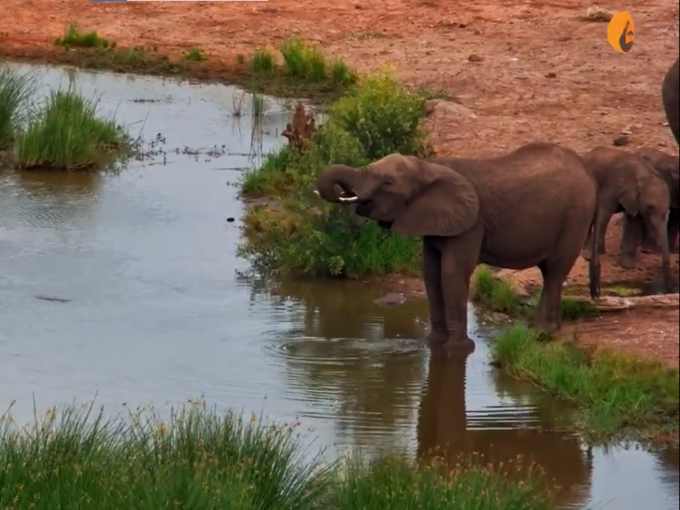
{"x":343,"y":176}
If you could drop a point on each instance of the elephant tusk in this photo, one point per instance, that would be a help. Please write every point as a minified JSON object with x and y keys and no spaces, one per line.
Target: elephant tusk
{"x":316,"y":192}
{"x":348,"y":200}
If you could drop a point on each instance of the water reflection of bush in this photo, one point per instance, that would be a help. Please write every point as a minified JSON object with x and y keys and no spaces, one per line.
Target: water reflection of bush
{"x":370,"y":385}
{"x":442,"y":425}
{"x":55,"y":198}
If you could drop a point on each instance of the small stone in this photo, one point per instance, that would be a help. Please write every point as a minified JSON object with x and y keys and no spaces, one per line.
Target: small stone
{"x":621,"y":140}
{"x":551,"y":75}
{"x":475,"y":58}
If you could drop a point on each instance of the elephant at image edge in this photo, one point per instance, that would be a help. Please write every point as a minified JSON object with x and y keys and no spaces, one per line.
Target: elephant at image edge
{"x":668,"y":168}
{"x":531,"y":207}
{"x":628,"y":183}
{"x":670,"y":95}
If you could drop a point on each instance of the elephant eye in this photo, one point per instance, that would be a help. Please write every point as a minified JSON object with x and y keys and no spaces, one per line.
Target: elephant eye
{"x":388,"y":181}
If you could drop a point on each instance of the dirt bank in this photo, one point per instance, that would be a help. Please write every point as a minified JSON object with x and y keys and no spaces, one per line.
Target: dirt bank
{"x":522,"y":71}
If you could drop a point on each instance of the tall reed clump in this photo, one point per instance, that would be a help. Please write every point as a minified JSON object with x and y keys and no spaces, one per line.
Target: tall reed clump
{"x":75,"y":459}
{"x":16,"y":90}
{"x":67,"y":134}
{"x":307,"y":236}
{"x":197,"y":459}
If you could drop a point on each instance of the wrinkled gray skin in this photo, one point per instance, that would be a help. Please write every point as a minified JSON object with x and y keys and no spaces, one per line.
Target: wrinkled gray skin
{"x":671,"y":103}
{"x":479,"y":211}
{"x":668,"y":168}
{"x":628,"y":183}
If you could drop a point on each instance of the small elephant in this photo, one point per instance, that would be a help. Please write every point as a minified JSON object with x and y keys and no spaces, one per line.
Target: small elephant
{"x":671,"y":103}
{"x":531,"y":207}
{"x":668,"y":168}
{"x":628,"y":183}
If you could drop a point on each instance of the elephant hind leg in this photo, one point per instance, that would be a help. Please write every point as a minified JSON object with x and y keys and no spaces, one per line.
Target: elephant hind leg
{"x":555,"y":271}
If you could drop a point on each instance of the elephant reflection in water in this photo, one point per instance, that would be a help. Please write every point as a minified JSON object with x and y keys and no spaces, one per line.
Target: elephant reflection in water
{"x":442,"y":425}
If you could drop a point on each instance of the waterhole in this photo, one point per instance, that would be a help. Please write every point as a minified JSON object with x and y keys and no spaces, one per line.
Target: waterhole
{"x":127,"y":287}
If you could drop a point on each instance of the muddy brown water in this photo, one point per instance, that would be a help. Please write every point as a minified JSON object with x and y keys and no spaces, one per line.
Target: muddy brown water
{"x":127,"y":287}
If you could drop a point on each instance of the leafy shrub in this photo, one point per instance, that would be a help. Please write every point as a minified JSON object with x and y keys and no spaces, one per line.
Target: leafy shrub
{"x":308,"y":236}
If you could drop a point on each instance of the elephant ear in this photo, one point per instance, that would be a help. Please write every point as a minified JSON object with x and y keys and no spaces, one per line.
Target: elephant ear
{"x":447,"y":205}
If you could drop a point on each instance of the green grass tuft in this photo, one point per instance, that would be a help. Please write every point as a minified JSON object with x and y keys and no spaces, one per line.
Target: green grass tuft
{"x":613,"y":391}
{"x":15,"y":94}
{"x":76,"y":458}
{"x":262,"y":61}
{"x":391,"y":483}
{"x":68,"y":135}
{"x":73,"y":37}
{"x":498,"y":295}
{"x":306,"y":236}
{"x":195,"y":55}
{"x":494,"y":293}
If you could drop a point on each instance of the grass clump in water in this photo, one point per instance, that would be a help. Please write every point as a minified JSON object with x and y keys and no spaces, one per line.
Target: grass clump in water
{"x":73,"y":37}
{"x":613,"y":391}
{"x":76,"y":458}
{"x":67,"y":134}
{"x":16,"y":91}
{"x":304,"y":235}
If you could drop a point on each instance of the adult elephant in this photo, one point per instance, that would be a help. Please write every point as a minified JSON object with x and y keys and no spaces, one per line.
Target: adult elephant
{"x":628,"y":183}
{"x":531,"y":207}
{"x":671,"y":103}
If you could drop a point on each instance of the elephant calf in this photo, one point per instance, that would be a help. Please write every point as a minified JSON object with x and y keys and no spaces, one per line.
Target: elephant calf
{"x":628,"y":183}
{"x":668,"y":168}
{"x":531,"y":207}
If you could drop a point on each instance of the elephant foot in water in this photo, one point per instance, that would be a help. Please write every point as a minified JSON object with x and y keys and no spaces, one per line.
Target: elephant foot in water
{"x":450,"y":341}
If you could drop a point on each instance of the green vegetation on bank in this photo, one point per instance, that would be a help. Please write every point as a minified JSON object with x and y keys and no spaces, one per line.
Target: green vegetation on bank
{"x":298,"y":233}
{"x":63,"y":133}
{"x":614,"y":392}
{"x":498,"y":295}
{"x":76,"y":459}
{"x":295,"y":69}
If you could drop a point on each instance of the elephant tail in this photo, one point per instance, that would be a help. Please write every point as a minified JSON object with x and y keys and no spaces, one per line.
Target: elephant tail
{"x":594,"y":268}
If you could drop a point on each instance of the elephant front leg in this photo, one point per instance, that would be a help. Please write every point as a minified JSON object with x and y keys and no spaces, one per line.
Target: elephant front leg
{"x":435,"y":297}
{"x":459,"y":257}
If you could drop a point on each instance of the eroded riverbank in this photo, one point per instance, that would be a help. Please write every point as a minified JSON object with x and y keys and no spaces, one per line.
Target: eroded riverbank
{"x":149,"y":304}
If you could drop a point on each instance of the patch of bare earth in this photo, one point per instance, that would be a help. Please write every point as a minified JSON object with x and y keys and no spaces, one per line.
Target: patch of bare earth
{"x":518,"y":71}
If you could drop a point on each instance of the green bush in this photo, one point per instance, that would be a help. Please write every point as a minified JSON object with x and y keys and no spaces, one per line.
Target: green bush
{"x":15,"y":93}
{"x":67,"y":134}
{"x":308,"y":236}
{"x":76,"y":459}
